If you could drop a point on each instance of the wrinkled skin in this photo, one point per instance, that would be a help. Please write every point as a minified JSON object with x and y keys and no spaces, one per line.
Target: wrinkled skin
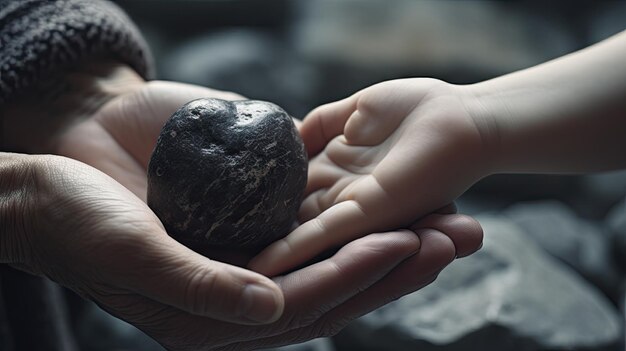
{"x":94,"y":234}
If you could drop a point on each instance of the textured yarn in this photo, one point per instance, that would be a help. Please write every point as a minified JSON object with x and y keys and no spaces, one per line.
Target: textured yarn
{"x":41,"y":37}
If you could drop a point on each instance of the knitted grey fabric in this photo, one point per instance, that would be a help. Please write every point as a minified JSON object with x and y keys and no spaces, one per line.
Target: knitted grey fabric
{"x":41,"y":37}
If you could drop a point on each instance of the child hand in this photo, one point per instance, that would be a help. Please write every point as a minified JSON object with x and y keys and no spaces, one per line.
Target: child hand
{"x":384,"y":157}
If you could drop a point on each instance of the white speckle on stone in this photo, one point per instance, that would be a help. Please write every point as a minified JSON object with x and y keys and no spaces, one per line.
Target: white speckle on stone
{"x":271,"y":145}
{"x":256,"y":174}
{"x":220,"y":218}
{"x":210,"y":231}
{"x":248,"y":115}
{"x":250,"y":213}
{"x":190,"y":212}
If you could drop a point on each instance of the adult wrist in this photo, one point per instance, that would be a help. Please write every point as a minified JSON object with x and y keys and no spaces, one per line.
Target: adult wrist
{"x":17,"y":193}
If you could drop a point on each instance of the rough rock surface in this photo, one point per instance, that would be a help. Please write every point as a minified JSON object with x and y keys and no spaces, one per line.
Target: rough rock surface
{"x":584,"y":245}
{"x":508,"y":296}
{"x":227,"y":174}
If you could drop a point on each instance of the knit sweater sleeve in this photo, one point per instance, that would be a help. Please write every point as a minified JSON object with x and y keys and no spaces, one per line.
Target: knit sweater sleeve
{"x":41,"y":37}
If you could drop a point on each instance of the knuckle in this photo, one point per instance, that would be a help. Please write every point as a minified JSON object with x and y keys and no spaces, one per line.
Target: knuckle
{"x":442,"y":248}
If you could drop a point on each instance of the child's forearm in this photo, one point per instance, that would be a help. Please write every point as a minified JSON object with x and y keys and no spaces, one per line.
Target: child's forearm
{"x":567,"y":115}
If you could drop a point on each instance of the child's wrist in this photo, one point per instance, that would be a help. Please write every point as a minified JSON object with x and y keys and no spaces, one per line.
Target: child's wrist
{"x":487,"y":108}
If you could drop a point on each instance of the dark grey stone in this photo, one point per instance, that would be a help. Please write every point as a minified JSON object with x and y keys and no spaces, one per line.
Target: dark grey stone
{"x":227,"y":174}
{"x":508,"y":296}
{"x":584,"y":245}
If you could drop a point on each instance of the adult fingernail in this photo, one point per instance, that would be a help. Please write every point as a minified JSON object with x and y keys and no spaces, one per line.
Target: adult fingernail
{"x":260,"y":304}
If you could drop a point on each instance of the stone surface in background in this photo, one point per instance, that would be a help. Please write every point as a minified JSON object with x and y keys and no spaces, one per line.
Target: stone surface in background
{"x":509,"y":296}
{"x":583,"y":245}
{"x":599,"y":193}
{"x":248,"y":62}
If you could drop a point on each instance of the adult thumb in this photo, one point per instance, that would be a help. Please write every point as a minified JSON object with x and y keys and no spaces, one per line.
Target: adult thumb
{"x":177,"y":276}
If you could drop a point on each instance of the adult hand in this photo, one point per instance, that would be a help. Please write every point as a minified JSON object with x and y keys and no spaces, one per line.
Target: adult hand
{"x":383,"y":157}
{"x":117,"y":137}
{"x":79,"y":227}
{"x":105,"y":116}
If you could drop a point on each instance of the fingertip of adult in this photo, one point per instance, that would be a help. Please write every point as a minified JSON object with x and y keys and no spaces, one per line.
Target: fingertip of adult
{"x":472,"y":235}
{"x":261,"y":303}
{"x":411,"y":240}
{"x":463,"y":230}
{"x":437,"y":244}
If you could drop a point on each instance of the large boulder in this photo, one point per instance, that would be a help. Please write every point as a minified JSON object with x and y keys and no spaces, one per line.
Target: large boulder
{"x":510,"y":295}
{"x":584,"y":245}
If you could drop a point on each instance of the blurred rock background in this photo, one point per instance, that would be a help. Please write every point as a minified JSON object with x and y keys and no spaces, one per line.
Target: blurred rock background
{"x":551,"y":275}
